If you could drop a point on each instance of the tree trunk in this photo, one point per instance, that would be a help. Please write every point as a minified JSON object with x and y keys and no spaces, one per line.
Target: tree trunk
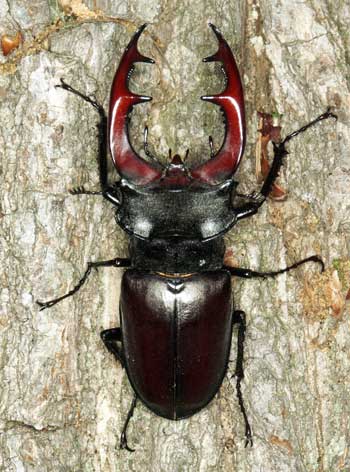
{"x":64,"y":398}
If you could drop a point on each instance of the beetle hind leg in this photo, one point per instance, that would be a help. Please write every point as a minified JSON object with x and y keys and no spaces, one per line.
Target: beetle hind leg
{"x":112,"y":339}
{"x":240,"y":319}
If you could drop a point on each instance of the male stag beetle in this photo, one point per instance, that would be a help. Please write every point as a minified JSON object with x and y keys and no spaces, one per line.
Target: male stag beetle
{"x":176,"y":307}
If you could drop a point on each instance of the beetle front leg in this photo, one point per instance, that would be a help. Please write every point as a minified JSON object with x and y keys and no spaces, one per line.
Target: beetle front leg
{"x":117,"y":262}
{"x":279,"y":150}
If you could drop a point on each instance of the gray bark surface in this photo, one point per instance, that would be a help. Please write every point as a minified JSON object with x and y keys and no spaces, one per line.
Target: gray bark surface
{"x":63,"y":398}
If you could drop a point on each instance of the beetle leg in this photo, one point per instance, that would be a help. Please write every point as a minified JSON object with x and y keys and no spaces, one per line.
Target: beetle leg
{"x":81,"y":190}
{"x":280,"y":152}
{"x":249,"y":274}
{"x":102,"y":142}
{"x":117,"y":262}
{"x":123,"y":439}
{"x":239,"y":317}
{"x":110,"y":338}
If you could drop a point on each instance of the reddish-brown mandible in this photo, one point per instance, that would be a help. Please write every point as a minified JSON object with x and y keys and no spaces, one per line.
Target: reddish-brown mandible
{"x":216,"y":170}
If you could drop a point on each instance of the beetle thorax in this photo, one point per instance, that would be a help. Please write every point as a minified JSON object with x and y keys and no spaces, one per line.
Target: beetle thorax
{"x":194,"y":211}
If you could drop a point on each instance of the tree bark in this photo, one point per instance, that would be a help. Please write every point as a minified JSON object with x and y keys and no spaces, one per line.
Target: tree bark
{"x":63,"y":398}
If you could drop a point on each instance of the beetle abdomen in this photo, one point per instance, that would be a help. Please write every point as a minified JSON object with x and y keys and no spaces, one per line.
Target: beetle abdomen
{"x":176,"y":338}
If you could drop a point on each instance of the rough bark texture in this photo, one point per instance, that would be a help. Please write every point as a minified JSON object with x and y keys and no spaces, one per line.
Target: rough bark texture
{"x":63,"y":397}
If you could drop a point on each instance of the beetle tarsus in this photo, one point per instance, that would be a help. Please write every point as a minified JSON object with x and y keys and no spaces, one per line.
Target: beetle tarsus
{"x":116,"y":262}
{"x":324,"y":116}
{"x":248,"y":431}
{"x":123,"y":438}
{"x":88,"y":98}
{"x":82,"y":191}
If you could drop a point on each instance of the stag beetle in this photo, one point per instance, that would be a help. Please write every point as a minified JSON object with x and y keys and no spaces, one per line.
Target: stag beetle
{"x":176,"y":307}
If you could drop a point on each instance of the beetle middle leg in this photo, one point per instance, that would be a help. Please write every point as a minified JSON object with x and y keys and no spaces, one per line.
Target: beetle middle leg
{"x":249,"y":274}
{"x":123,"y":438}
{"x":116,"y":262}
{"x":256,"y":200}
{"x":240,"y":318}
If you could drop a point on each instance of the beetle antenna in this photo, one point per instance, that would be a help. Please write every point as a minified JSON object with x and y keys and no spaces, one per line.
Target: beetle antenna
{"x":186,"y":155}
{"x":123,"y":438}
{"x":211,"y":145}
{"x":146,"y":147}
